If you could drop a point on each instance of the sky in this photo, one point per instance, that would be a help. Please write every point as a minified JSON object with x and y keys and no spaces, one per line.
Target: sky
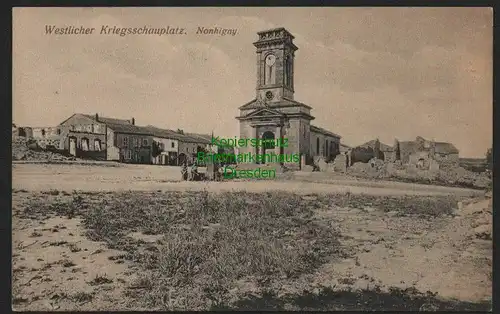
{"x":387,"y":73}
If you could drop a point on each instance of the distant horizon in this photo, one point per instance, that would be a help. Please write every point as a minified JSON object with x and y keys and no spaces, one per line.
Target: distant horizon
{"x":387,"y":73}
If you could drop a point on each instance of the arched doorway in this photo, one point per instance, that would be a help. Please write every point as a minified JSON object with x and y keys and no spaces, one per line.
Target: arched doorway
{"x":268,"y":143}
{"x":84,"y":143}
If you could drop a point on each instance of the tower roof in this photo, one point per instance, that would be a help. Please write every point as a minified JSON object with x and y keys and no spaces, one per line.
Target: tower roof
{"x":275,"y":35}
{"x":279,"y":30}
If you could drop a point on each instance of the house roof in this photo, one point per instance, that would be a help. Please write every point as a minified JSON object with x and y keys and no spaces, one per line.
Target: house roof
{"x":204,"y":137}
{"x":323,"y":131}
{"x":407,"y":145}
{"x":440,"y":147}
{"x":286,"y":102}
{"x":344,"y":148}
{"x":107,"y":120}
{"x":445,"y":148}
{"x":171,"y":134}
{"x":383,"y":147}
{"x":117,"y":125}
{"x":128,"y":128}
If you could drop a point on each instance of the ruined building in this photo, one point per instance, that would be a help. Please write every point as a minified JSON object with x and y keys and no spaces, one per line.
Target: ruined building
{"x":420,"y":150}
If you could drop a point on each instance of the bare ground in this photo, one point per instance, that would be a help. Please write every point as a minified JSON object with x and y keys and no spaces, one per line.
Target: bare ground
{"x":420,"y":252}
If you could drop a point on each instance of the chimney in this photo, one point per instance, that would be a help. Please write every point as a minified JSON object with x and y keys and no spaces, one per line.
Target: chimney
{"x":133,"y":121}
{"x":96,"y":117}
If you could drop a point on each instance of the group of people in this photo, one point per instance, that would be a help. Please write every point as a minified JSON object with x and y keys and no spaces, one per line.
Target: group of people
{"x":192,"y":174}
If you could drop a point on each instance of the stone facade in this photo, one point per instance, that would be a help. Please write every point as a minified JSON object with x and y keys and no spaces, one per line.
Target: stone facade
{"x":91,"y":136}
{"x":274,"y":113}
{"x":134,"y":147}
{"x":169,"y":151}
{"x":83,"y":137}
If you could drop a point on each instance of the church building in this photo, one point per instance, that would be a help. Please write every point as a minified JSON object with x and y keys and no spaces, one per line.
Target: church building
{"x":274,"y":113}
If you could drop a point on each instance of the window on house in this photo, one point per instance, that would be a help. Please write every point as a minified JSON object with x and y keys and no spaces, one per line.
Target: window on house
{"x":58,"y":131}
{"x":145,"y":142}
{"x":85,"y":144}
{"x":173,"y":144}
{"x":97,"y":145}
{"x":125,"y":141}
{"x":129,"y":154}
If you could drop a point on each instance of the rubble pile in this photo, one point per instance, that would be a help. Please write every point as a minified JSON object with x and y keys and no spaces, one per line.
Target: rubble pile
{"x":481,"y":214}
{"x":375,"y":168}
{"x":24,"y":149}
{"x":340,"y":163}
{"x":321,"y":163}
{"x":447,"y":173}
{"x":455,"y":174}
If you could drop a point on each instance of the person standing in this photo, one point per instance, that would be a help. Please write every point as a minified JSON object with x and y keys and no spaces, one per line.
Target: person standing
{"x":184,"y":172}
{"x":194,"y":172}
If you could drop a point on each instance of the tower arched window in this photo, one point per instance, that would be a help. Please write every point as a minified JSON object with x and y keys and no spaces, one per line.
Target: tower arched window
{"x":270,"y":70}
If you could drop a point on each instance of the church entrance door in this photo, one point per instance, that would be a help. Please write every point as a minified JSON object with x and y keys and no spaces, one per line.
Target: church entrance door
{"x":268,"y":145}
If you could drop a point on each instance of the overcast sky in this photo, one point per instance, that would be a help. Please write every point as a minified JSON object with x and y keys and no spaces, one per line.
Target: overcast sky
{"x":367,"y":72}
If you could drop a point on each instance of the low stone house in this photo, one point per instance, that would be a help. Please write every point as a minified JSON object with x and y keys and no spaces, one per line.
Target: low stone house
{"x":190,"y":144}
{"x":95,"y":137}
{"x":167,"y":151}
{"x":178,"y":147}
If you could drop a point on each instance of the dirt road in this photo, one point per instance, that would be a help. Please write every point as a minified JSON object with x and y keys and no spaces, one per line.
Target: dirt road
{"x":39,"y":177}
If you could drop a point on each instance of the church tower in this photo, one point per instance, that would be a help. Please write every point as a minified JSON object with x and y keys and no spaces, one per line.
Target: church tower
{"x":275,"y":65}
{"x":274,"y":113}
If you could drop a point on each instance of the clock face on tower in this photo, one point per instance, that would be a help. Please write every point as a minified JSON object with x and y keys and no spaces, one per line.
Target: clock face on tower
{"x":270,"y":60}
